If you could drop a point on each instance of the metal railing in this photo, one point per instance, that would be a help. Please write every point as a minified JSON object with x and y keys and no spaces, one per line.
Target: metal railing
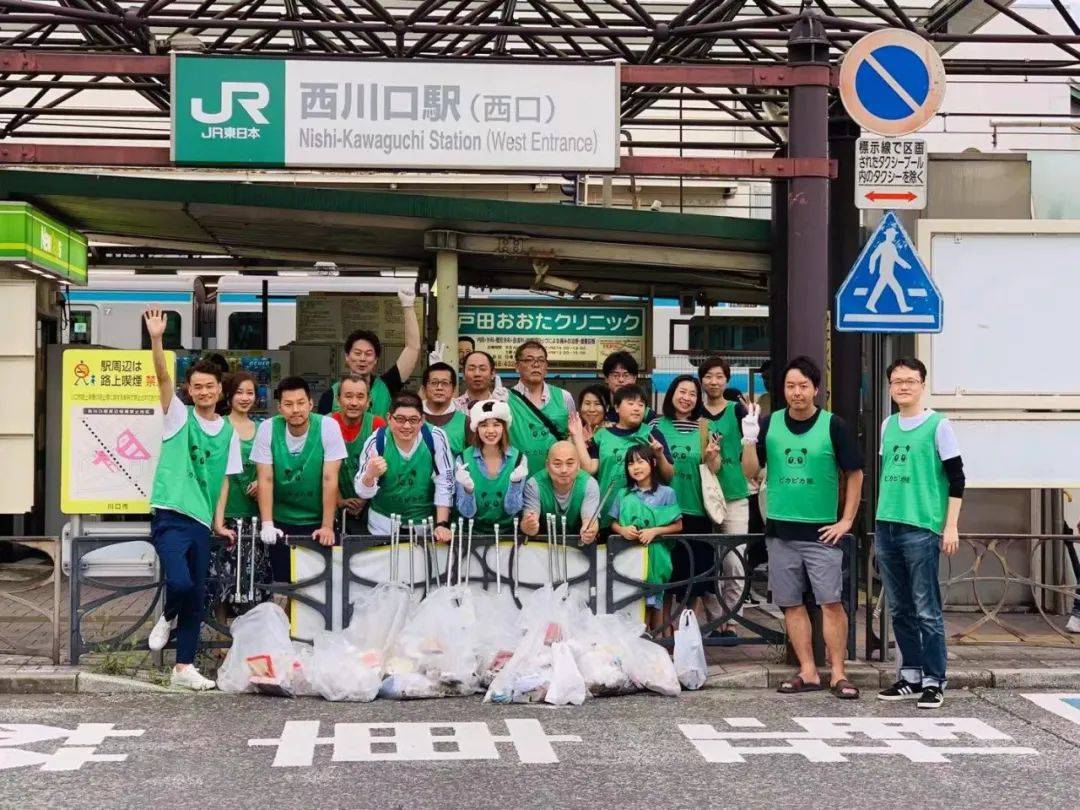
{"x":714,"y":579}
{"x":12,"y":591}
{"x":992,"y":568}
{"x":482,"y":566}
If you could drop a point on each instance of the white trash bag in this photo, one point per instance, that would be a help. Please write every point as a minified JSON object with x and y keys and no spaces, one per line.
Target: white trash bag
{"x":650,"y":667}
{"x":567,"y":686}
{"x":261,"y":647}
{"x":599,"y":649}
{"x":690,"y":652}
{"x":342,"y":671}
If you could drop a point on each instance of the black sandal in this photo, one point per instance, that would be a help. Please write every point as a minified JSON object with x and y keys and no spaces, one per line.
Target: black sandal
{"x":845,"y":690}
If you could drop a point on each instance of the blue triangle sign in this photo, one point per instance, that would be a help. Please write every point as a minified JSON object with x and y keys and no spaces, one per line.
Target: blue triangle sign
{"x":888,"y":288}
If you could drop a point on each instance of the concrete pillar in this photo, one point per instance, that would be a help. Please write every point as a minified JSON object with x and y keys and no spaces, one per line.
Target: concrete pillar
{"x":446,"y":303}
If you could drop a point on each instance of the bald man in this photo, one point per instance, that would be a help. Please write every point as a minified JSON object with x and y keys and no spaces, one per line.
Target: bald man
{"x":562,"y":489}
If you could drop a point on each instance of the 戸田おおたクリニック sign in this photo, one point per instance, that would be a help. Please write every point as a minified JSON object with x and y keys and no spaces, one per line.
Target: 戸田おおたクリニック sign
{"x":575,"y":337}
{"x":445,"y":115}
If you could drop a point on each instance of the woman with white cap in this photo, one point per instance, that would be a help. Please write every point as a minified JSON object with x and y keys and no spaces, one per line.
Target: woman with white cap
{"x":490,"y":474}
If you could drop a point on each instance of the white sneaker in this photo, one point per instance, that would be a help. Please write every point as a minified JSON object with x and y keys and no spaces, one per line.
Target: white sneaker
{"x":1073,"y":625}
{"x":190,"y":678}
{"x":159,"y":636}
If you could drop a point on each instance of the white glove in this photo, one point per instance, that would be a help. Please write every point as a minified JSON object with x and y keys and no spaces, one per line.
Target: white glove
{"x":269,"y":534}
{"x":750,"y":427}
{"x":461,"y":475}
{"x":407,"y":298}
{"x":521,"y":472}
{"x":436,"y":355}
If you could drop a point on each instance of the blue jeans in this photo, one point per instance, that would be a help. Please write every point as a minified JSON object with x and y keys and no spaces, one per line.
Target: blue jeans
{"x":1070,"y":546}
{"x":183,"y":546}
{"x":908,"y":559}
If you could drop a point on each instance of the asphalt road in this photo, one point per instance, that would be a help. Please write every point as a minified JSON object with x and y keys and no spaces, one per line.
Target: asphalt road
{"x":990,"y":749}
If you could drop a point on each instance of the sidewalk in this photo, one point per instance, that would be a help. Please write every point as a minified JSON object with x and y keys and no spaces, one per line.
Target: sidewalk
{"x":1045,"y":660}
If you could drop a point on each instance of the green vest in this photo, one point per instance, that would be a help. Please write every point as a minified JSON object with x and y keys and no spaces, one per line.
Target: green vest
{"x":633,"y":511}
{"x":350,"y":465}
{"x":490,"y":494}
{"x":191,"y":469}
{"x":406,"y":487}
{"x":732,"y":480}
{"x":529,"y":434}
{"x":549,"y":504}
{"x":686,"y":453}
{"x":802,"y":476}
{"x":612,"y":472}
{"x":455,"y":433}
{"x":239,"y":504}
{"x":297,"y":477}
{"x":914,"y":487}
{"x":379,"y":396}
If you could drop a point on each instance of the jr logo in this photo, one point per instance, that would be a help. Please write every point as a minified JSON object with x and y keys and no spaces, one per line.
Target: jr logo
{"x":251,"y":96}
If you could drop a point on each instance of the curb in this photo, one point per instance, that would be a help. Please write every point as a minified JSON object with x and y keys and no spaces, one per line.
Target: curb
{"x":70,"y":681}
{"x":870,"y":676}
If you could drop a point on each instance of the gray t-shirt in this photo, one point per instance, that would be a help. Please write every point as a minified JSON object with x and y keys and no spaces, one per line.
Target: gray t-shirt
{"x":589,"y":504}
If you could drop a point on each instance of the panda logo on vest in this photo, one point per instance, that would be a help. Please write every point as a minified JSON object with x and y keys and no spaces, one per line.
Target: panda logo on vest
{"x":795,"y":456}
{"x":900,"y":453}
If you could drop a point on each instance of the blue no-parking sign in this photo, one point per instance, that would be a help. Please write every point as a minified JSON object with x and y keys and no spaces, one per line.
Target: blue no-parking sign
{"x":892,"y":82}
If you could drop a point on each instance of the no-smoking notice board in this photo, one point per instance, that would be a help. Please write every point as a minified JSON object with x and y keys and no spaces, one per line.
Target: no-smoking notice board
{"x":111,"y":431}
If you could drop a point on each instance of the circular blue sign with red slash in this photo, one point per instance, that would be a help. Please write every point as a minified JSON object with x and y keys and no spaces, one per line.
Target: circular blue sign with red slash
{"x":892,"y":82}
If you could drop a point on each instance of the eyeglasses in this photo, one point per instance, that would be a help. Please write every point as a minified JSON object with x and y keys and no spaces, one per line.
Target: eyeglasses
{"x":411,"y":421}
{"x":907,"y":382}
{"x":440,"y":384}
{"x":537,"y":360}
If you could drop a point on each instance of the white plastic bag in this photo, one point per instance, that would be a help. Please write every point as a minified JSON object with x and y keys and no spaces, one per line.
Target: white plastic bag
{"x":342,"y":671}
{"x":690,"y":652}
{"x":526,"y":677}
{"x":261,"y":634}
{"x":598,"y":651}
{"x":567,"y":686}
{"x":650,"y":667}
{"x":379,"y":615}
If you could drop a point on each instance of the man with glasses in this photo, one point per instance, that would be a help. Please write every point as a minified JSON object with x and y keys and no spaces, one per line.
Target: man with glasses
{"x":540,"y":411}
{"x":619,"y":369}
{"x":406,"y":470}
{"x":918,"y":512}
{"x":440,"y":409}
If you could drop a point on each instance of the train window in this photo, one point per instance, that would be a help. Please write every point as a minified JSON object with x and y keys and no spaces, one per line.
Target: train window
{"x":246,"y":330}
{"x":171,"y":340}
{"x":80,"y":323}
{"x":731,"y":335}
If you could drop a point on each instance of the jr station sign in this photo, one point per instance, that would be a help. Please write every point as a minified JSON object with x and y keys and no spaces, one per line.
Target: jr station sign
{"x":336,"y":113}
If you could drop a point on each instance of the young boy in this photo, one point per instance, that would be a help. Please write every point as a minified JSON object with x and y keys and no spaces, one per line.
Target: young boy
{"x":603,"y":456}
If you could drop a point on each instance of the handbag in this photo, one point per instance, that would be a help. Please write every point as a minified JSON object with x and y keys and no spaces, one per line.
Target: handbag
{"x":712,"y":494}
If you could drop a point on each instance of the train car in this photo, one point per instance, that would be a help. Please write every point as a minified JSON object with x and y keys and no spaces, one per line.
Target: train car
{"x":108,"y":311}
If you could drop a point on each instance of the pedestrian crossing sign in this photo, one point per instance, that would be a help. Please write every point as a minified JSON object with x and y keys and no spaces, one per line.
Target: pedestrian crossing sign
{"x":888,"y":288}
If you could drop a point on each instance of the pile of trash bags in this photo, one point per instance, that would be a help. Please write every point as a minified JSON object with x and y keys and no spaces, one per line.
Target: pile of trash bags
{"x":460,"y":641}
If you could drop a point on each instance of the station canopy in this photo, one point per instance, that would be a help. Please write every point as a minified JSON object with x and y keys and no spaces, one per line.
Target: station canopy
{"x":172,"y":223}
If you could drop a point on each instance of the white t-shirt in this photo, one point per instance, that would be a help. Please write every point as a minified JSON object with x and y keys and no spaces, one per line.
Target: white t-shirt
{"x":175,"y":418}
{"x":944,"y":437}
{"x":332,"y":440}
